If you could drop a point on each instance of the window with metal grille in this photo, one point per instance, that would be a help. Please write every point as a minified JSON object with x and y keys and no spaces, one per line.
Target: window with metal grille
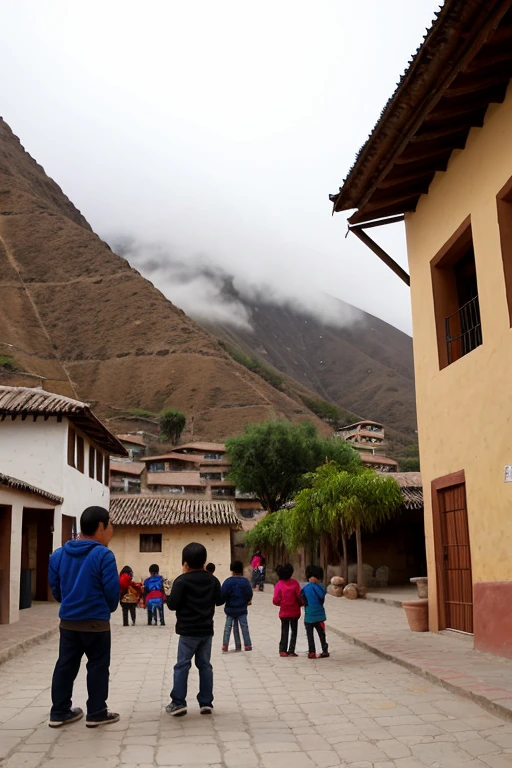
{"x":456,"y":304}
{"x":150,"y":542}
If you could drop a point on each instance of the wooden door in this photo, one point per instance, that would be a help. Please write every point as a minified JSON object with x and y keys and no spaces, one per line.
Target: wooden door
{"x":454,"y":559}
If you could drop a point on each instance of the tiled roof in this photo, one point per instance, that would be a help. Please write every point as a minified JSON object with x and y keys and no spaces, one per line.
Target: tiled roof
{"x":126,"y":467}
{"x":189,"y":457}
{"x":174,"y":478}
{"x":23,"y":401}
{"x":213,"y":447}
{"x":411,"y":486}
{"x":135,"y":439}
{"x":21,"y":485}
{"x":376,"y":459}
{"x":158,"y":510}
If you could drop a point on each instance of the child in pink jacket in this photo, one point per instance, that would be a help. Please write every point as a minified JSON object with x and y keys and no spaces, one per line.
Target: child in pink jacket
{"x":287,"y":597}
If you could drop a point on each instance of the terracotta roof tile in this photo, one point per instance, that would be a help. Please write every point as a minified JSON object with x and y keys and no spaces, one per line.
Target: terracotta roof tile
{"x":158,"y":510}
{"x":126,"y":467}
{"x":21,"y":485}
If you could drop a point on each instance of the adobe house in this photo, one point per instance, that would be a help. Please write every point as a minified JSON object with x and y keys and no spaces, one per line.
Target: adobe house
{"x":154,"y":529}
{"x":54,"y":462}
{"x":440,"y":158}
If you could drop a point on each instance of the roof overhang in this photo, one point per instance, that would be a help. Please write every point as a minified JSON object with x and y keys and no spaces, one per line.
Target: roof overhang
{"x":463,"y":65}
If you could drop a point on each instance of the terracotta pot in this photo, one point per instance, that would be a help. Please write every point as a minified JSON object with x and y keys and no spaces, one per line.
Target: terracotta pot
{"x":421,"y":585}
{"x":417,"y":615}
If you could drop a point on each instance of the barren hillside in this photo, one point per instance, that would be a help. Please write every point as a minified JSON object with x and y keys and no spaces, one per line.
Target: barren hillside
{"x":75,"y":318}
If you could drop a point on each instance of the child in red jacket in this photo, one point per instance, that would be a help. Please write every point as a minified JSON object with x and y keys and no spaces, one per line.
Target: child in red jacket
{"x":287,"y":597}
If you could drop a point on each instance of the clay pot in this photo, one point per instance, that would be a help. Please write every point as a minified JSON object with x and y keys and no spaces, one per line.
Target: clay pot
{"x":335,"y":591}
{"x":337,"y":581}
{"x":421,"y":585}
{"x":417,"y":615}
{"x":350,"y":591}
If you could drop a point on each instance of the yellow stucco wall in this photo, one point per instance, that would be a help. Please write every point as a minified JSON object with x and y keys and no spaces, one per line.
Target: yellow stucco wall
{"x":465,"y":410}
{"x":216,"y":539}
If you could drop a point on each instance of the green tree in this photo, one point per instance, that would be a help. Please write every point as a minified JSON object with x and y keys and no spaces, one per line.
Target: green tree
{"x":270,"y":459}
{"x":172,"y":423}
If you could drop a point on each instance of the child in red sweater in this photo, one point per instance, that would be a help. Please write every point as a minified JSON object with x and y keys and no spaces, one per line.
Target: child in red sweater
{"x":287,"y":597}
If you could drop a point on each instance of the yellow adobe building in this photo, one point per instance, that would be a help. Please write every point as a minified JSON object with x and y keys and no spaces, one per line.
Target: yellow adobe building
{"x":154,"y":529}
{"x":440,"y":158}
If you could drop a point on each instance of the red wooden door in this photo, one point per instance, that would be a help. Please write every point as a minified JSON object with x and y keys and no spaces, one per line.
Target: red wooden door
{"x":456,"y":558}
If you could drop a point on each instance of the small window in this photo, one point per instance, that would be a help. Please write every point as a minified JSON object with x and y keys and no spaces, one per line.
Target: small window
{"x":99,"y":466}
{"x":92,"y":462}
{"x":106,"y":467}
{"x":456,"y":303}
{"x":150,"y":542}
{"x":157,"y":466}
{"x":212,"y":456}
{"x":71,"y":447}
{"x":80,"y":454}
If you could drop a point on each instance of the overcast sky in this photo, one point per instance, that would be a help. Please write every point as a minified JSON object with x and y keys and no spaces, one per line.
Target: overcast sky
{"x":216,"y":129}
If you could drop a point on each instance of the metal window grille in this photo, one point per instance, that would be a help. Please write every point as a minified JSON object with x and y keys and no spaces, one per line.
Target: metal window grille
{"x":463,"y":330}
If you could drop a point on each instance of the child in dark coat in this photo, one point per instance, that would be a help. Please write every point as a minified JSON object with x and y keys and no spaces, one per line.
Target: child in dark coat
{"x":237,"y":594}
{"x":287,"y":597}
{"x":313,"y":596}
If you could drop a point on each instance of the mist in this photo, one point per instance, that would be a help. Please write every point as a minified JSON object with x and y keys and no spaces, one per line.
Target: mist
{"x":216,"y":131}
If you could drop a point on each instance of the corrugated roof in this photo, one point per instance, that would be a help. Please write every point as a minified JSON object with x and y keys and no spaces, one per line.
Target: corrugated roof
{"x":174,"y":478}
{"x":126,"y":467}
{"x":23,"y":401}
{"x":135,"y":439}
{"x":21,"y":485}
{"x":158,"y":510}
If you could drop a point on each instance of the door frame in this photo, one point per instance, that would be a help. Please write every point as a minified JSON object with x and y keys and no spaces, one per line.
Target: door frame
{"x":439,"y":484}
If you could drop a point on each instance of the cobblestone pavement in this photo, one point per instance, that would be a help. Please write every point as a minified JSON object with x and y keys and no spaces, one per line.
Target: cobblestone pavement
{"x":353,"y":709}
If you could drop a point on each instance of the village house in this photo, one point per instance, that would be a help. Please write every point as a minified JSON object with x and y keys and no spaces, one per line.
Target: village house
{"x":135,"y":444}
{"x":154,"y":529}
{"x":367,"y":437}
{"x":54,"y":462}
{"x":440,"y":157}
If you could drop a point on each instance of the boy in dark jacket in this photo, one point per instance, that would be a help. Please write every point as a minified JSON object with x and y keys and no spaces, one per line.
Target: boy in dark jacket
{"x":237,"y":594}
{"x":194,"y":596}
{"x":83,"y":579}
{"x":313,"y":596}
{"x":154,"y":595}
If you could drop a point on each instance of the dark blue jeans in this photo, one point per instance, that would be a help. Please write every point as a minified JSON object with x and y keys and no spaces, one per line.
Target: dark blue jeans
{"x":153,"y":612}
{"x":240,"y":622}
{"x":73,"y":645}
{"x":199,"y":649}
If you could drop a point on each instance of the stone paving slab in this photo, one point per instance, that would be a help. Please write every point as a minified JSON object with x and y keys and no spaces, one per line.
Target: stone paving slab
{"x":352,"y":710}
{"x":447,"y":658}
{"x":36,"y":624}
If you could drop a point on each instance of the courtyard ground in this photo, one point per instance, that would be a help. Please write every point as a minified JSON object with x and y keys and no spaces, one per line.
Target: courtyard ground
{"x":353,"y":709}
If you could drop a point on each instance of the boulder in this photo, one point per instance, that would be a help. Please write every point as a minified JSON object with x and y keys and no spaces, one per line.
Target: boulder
{"x":350,"y":591}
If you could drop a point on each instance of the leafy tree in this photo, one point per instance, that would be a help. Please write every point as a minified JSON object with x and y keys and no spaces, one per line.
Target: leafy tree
{"x":172,"y":424}
{"x":336,"y":503}
{"x":409,"y":459}
{"x":270,"y":459}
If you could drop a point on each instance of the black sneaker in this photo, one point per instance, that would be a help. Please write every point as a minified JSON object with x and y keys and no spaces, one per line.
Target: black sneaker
{"x":109,"y":718}
{"x":57,"y":721}
{"x":325,"y":655}
{"x":206,"y":710}
{"x":176,"y":710}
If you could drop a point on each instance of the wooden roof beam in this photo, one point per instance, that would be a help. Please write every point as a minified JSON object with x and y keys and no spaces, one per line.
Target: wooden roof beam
{"x":471,"y":85}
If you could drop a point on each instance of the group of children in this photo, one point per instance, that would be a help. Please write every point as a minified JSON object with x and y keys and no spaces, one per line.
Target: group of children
{"x":194,"y":596}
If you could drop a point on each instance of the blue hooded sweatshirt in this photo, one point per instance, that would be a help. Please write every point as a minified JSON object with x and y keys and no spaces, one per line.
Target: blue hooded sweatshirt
{"x":313,"y":597}
{"x":83,"y":578}
{"x":236,"y":593}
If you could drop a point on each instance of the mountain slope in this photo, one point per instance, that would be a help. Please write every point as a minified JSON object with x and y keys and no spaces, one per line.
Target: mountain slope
{"x":77,"y":319}
{"x":365,"y":366}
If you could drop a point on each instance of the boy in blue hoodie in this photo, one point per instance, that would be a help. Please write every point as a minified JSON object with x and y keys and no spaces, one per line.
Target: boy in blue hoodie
{"x":313,"y":597}
{"x":237,"y":594}
{"x":84,"y":580}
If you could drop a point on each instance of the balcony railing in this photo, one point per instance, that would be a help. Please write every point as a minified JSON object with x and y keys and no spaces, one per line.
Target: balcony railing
{"x":463,"y":330}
